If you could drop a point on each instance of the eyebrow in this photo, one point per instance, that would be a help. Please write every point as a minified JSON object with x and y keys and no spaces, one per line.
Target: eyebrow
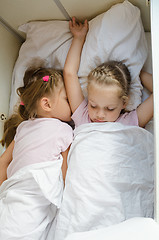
{"x":91,"y":101}
{"x":109,"y":106}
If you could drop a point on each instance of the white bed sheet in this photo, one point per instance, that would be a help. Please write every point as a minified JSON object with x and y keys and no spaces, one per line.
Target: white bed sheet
{"x":109,"y":178}
{"x":29,"y":202}
{"x":132,"y":229}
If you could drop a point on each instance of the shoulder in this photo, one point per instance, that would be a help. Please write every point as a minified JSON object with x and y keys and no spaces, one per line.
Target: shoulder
{"x":129,"y":118}
{"x":64,"y":136}
{"x":80,"y":116}
{"x":57,"y":126}
{"x":81,"y":107}
{"x":21,"y":126}
{"x":47,"y":125}
{"x":53,"y":130}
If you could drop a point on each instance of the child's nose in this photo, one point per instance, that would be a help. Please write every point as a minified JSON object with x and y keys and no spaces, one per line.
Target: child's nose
{"x":100,"y":114}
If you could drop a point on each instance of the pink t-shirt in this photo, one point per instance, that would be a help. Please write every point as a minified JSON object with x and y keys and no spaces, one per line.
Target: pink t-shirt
{"x":39,"y":140}
{"x":80,"y":116}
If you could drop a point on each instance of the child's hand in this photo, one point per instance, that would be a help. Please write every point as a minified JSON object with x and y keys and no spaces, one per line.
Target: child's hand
{"x":78,"y":29}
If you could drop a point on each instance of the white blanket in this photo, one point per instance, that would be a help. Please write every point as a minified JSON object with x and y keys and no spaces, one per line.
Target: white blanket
{"x":131,"y":229}
{"x":29,"y":202}
{"x":109,"y":179}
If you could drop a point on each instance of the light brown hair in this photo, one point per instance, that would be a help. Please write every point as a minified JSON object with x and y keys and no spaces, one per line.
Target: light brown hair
{"x":34,"y":89}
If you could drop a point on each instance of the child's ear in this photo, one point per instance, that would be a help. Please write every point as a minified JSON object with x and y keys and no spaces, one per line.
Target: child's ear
{"x":45,"y":104}
{"x":125,"y":101}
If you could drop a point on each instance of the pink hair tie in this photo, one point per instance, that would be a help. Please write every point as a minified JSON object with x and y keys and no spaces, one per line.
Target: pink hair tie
{"x":46,"y":78}
{"x":21,"y":103}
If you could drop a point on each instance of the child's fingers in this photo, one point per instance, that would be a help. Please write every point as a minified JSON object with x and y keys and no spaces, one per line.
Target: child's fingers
{"x":86,"y":24}
{"x":76,"y":26}
{"x":70,"y":24}
{"x":73,"y":21}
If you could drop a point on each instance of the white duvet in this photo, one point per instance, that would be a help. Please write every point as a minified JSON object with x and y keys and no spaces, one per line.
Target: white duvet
{"x":132,"y":229}
{"x":29,"y":202}
{"x":109,"y":178}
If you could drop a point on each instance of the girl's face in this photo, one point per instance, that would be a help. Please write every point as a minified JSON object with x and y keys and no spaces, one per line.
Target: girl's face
{"x":60,"y":107}
{"x":104,"y":103}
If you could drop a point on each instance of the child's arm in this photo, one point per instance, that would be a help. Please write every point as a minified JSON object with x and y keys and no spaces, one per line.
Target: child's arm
{"x":145,"y":109}
{"x":5,"y":159}
{"x":72,"y":85}
{"x":64,"y":164}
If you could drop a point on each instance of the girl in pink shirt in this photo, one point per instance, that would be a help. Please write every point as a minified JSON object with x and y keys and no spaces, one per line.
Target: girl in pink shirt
{"x":32,"y":194}
{"x":108,"y":88}
{"x":41,"y":132}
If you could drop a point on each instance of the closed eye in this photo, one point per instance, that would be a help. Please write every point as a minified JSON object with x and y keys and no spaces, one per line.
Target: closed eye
{"x":109,"y":109}
{"x":92,"y":106}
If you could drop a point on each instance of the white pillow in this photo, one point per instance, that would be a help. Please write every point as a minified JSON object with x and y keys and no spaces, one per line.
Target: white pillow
{"x":117,"y":34}
{"x":148,"y":68}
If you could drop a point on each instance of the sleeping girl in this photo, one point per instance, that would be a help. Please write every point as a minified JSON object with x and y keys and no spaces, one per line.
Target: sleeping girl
{"x":32,"y":194}
{"x":110,"y":174}
{"x":108,"y":88}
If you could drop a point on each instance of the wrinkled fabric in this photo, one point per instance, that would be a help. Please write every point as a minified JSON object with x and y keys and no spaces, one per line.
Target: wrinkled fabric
{"x":132,"y":229}
{"x":109,"y":178}
{"x":29,"y":202}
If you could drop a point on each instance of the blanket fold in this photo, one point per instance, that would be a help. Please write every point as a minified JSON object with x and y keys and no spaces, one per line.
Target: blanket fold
{"x":29,"y":201}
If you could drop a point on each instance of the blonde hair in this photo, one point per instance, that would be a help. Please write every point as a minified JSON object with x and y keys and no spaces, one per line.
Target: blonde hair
{"x":111,"y":73}
{"x":33,"y":90}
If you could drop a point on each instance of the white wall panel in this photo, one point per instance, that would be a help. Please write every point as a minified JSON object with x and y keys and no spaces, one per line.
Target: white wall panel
{"x":155,"y":62}
{"x":9,"y":48}
{"x":17,"y":12}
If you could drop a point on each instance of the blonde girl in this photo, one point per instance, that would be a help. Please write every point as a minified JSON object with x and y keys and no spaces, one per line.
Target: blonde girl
{"x":108,"y":88}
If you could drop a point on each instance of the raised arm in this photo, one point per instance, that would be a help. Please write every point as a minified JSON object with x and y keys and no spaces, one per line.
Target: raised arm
{"x":145,"y":109}
{"x":72,"y":85}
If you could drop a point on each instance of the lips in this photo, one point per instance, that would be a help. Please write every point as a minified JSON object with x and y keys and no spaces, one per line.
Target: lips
{"x":98,"y":120}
